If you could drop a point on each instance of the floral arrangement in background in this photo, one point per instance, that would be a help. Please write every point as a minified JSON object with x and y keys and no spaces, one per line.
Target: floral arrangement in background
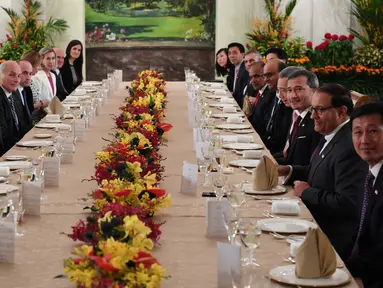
{"x":105,"y":34}
{"x":27,"y":33}
{"x":120,"y":233}
{"x":368,"y":56}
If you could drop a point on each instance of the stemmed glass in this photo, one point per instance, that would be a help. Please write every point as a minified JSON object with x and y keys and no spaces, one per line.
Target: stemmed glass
{"x":231,"y":223}
{"x":207,"y":155}
{"x":220,"y":158}
{"x":250,"y":234}
{"x":219,"y":181}
{"x":15,"y":210}
{"x":236,"y":200}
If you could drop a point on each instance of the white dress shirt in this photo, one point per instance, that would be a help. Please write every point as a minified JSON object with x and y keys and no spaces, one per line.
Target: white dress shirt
{"x":375,"y":171}
{"x":8,"y":94}
{"x":332,"y":134}
{"x":303,"y":115}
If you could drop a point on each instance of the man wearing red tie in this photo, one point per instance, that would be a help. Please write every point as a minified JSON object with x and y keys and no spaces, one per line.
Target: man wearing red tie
{"x":367,"y":254}
{"x":331,"y":187}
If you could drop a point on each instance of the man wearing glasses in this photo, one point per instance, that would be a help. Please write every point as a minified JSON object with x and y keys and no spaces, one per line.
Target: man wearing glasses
{"x":331,"y":187}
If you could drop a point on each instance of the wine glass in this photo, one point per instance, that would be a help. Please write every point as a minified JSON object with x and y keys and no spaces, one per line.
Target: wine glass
{"x":231,"y":223}
{"x":220,"y":158}
{"x":236,"y":199}
{"x":16,"y":211}
{"x":250,"y":235}
{"x":219,"y":181}
{"x":206,"y":154}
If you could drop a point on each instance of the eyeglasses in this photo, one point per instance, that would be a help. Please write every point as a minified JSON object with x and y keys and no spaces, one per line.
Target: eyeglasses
{"x":320,"y":110}
{"x":268,"y":75}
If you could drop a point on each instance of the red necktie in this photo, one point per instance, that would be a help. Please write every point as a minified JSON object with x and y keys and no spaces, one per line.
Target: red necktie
{"x":296,"y":120}
{"x":257,"y":97}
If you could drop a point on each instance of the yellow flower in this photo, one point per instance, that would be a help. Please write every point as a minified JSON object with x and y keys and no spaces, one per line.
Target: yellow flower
{"x":150,"y":179}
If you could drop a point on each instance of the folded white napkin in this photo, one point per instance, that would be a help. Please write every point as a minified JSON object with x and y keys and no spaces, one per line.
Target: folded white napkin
{"x":52,"y":117}
{"x":65,"y":126}
{"x":216,"y":85}
{"x":227,"y":100}
{"x":71,"y":98}
{"x":220,"y":92}
{"x":234,"y":120}
{"x":229,"y":110}
{"x":229,"y":138}
{"x":4,"y":171}
{"x":79,"y":92}
{"x":250,"y":154}
{"x":244,"y":139}
{"x":285,"y":207}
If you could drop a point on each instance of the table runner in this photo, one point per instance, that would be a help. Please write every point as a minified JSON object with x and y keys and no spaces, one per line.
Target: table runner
{"x":185,"y":252}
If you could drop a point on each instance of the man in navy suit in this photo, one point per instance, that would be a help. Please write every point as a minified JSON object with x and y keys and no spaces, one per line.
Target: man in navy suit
{"x":367,"y":254}
{"x":238,"y":76}
{"x":331,"y":187}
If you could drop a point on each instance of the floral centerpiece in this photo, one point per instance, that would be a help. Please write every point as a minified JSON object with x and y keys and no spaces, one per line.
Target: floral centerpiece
{"x":121,"y":231}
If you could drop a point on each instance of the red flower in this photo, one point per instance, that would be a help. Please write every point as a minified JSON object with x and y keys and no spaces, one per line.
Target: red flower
{"x":102,"y":262}
{"x":334,"y":37}
{"x":98,"y":194}
{"x":309,"y":44}
{"x":260,"y":37}
{"x":270,"y":43}
{"x":1,"y":44}
{"x":247,"y":45}
{"x":291,"y":43}
{"x":351,"y":37}
{"x":146,"y":259}
{"x":33,"y":45}
{"x":165,"y":126}
{"x":15,"y":46}
{"x":158,"y":192}
{"x":327,"y":36}
{"x":123,"y":193}
{"x":25,"y":37}
{"x":343,"y":38}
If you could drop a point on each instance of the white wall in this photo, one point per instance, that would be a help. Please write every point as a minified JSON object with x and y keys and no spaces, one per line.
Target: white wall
{"x":4,"y":18}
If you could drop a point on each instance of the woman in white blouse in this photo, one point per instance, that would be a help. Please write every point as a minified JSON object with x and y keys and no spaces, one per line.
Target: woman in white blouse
{"x":43,"y":84}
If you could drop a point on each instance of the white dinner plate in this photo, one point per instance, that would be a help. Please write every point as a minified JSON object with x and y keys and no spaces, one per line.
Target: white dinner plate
{"x":47,"y":125}
{"x":42,"y":136}
{"x":244,"y":131}
{"x":248,"y":163}
{"x":233,"y":126}
{"x":243,"y":146}
{"x":35,"y":143}
{"x":5,"y":188}
{"x":286,"y":225}
{"x":212,"y":96}
{"x":227,"y":115}
{"x":222,"y":105}
{"x":78,"y":92}
{"x":230,"y":138}
{"x":279,"y":189}
{"x":16,"y":158}
{"x":16,"y":164}
{"x":91,"y":83}
{"x":286,"y":275}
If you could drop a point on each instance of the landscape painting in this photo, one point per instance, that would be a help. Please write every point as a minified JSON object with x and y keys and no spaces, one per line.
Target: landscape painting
{"x":190,"y":21}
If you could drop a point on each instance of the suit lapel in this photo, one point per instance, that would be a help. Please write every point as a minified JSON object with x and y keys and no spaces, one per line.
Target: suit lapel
{"x":316,"y":161}
{"x":302,"y":126}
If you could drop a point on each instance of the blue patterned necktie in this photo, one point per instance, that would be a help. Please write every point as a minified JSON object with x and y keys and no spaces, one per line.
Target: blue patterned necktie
{"x":368,"y":190}
{"x":13,"y":110}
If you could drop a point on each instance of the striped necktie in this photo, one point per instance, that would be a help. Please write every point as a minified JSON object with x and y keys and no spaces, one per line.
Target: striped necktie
{"x":13,"y":110}
{"x":24,"y":94}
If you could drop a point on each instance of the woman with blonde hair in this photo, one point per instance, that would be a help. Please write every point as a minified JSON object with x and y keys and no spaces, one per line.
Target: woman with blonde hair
{"x":34,"y":58}
{"x":44,"y":84}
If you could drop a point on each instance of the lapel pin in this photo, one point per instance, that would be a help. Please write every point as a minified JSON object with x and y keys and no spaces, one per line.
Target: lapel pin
{"x":322,"y":155}
{"x":303,"y":125}
{"x":376,"y":192}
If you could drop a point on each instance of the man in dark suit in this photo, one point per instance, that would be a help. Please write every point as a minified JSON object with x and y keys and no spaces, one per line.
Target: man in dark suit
{"x":276,"y":53}
{"x":251,"y":58}
{"x":61,"y":91}
{"x":264,"y":111}
{"x":24,"y":99}
{"x":302,"y":138}
{"x":239,"y":75}
{"x":280,"y":126}
{"x":334,"y":189}
{"x":9,"y":122}
{"x":367,"y":254}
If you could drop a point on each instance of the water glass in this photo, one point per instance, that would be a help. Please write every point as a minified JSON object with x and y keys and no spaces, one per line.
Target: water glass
{"x":219,"y":181}
{"x":250,"y":235}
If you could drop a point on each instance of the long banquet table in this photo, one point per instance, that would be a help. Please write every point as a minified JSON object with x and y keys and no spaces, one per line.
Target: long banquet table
{"x":185,"y":251}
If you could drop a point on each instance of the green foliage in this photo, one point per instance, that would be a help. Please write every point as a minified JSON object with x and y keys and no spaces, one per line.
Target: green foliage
{"x":369,"y":15}
{"x":369,"y":56}
{"x":26,"y":32}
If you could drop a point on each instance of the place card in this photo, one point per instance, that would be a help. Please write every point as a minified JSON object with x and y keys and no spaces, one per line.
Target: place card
{"x":189,"y":178}
{"x":51,"y":166}
{"x":32,"y":197}
{"x":215,"y":217}
{"x":67,"y":151}
{"x":229,"y":264}
{"x":7,"y":240}
{"x":79,"y":129}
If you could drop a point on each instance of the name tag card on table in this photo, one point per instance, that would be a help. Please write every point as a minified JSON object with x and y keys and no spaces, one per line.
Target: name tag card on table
{"x":79,"y":129}
{"x":67,"y":151}
{"x":32,"y":197}
{"x":229,"y":265}
{"x":51,"y":166}
{"x":7,"y":240}
{"x":189,"y":180}
{"x":215,"y":217}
